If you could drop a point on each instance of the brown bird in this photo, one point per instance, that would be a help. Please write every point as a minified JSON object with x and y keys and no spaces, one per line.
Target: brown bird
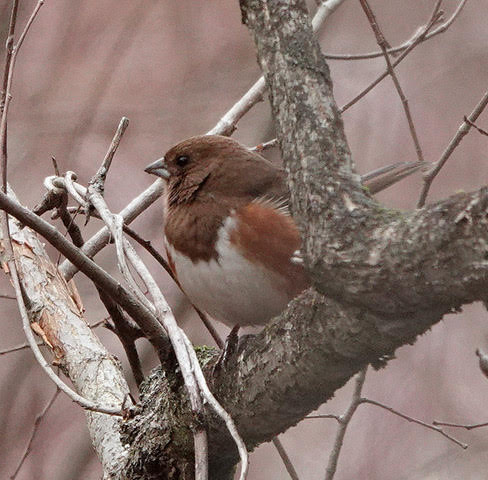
{"x":230,"y":239}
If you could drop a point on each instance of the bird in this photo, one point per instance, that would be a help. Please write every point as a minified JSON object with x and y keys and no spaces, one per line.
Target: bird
{"x":230,"y":239}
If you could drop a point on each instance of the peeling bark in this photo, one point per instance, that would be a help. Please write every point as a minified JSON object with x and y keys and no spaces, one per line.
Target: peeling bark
{"x":96,"y":375}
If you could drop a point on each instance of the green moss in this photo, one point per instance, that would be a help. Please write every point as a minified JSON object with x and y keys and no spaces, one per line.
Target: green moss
{"x":388,"y":214}
{"x":205,"y":354}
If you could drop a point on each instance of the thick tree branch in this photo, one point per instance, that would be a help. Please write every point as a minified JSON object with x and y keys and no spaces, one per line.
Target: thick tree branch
{"x":356,"y":250}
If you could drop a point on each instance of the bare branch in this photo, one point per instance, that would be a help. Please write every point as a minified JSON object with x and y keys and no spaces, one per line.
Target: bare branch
{"x":325,"y":415}
{"x":129,"y":213}
{"x":344,"y":421}
{"x":24,"y":346}
{"x":221,"y":412}
{"x":37,"y":423}
{"x":285,"y":458}
{"x":8,"y":75}
{"x":384,"y":48}
{"x":455,"y":141}
{"x":9,"y":44}
{"x":227,"y":124}
{"x":414,"y":420}
{"x":480,"y":130}
{"x":468,"y":426}
{"x":433,"y":20}
{"x":392,"y":51}
{"x":99,"y":178}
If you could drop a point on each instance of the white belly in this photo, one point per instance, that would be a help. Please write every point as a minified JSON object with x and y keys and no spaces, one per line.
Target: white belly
{"x":233,"y":289}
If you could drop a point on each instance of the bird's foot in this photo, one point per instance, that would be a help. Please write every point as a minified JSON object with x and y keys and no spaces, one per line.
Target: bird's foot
{"x":229,"y":350}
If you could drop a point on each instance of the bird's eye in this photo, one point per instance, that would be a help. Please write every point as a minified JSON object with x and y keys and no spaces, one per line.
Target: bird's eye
{"x":182,"y":160}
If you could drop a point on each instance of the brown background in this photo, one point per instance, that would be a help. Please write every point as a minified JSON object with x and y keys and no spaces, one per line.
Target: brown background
{"x":174,"y":68}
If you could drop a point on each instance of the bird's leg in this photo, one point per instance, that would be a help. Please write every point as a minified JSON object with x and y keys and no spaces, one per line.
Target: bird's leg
{"x":229,"y":350}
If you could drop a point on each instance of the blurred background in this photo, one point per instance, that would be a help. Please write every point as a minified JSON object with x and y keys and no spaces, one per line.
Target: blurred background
{"x":174,"y":68}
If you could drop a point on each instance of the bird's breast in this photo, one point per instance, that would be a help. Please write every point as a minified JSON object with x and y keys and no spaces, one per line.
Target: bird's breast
{"x":249,"y":277}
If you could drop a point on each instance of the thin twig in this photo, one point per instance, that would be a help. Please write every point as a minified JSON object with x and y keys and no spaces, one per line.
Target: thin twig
{"x":455,"y":141}
{"x":17,"y":348}
{"x":285,"y":458}
{"x":9,"y":45}
{"x":344,"y":421}
{"x":100,"y":323}
{"x":324,"y":10}
{"x":127,"y":334}
{"x":55,"y":166}
{"x":134,"y":208}
{"x":6,"y":94}
{"x":413,"y":420}
{"x":8,"y":73}
{"x":5,"y":102}
{"x":480,"y":130}
{"x":35,"y":428}
{"x":380,"y":38}
{"x":325,"y":415}
{"x":433,"y":21}
{"x":99,"y":178}
{"x":400,"y":48}
{"x":221,"y":412}
{"x":9,"y":297}
{"x":460,"y":425}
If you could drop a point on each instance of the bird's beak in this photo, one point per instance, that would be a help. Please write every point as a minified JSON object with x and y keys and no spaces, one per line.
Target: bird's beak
{"x":158,"y":168}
